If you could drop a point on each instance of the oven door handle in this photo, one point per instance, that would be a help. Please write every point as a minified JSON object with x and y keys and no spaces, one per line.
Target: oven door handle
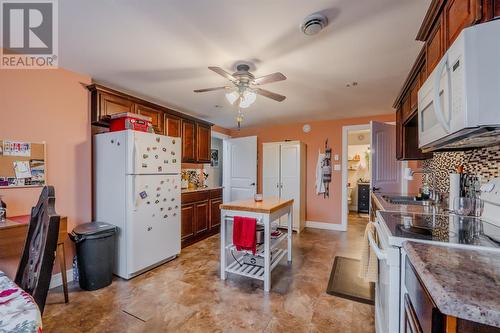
{"x":381,"y":255}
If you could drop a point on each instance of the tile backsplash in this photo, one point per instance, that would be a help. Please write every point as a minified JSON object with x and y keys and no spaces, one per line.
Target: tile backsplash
{"x":483,"y":162}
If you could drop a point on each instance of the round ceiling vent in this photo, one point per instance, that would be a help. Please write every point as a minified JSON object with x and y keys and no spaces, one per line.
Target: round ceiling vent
{"x":313,"y":24}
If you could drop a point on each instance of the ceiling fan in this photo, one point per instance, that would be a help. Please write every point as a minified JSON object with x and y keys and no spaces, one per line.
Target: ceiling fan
{"x":245,"y":86}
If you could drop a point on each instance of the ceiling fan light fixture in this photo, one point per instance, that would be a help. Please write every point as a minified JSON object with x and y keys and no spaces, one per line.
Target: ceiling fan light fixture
{"x":248,"y":99}
{"x":232,"y":96}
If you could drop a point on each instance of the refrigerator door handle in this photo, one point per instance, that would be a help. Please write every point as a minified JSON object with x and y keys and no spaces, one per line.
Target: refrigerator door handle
{"x":134,"y":198}
{"x":134,"y":157}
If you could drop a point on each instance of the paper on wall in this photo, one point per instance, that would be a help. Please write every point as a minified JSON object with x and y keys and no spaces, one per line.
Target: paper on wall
{"x":16,"y":148}
{"x":22,"y":169}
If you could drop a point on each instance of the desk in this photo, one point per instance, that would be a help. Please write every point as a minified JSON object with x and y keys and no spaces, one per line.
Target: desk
{"x":266,"y":211}
{"x":13,"y":235}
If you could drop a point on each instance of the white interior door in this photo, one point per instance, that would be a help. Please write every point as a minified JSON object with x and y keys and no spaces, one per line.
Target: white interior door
{"x":271,"y":170}
{"x":385,"y":168}
{"x":290,"y":183}
{"x":242,"y":178}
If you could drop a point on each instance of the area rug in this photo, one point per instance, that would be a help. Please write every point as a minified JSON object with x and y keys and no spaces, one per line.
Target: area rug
{"x":345,"y":282}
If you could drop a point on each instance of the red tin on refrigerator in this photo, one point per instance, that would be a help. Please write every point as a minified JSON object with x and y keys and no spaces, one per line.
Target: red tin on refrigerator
{"x":127,"y":120}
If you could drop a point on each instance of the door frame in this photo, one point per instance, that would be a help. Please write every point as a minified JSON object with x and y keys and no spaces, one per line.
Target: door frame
{"x":225,"y":161}
{"x":345,"y":132}
{"x":345,"y":138}
{"x":226,"y":166}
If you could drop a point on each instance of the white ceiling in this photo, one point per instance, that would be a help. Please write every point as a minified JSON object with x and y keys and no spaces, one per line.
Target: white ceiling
{"x":160,"y":50}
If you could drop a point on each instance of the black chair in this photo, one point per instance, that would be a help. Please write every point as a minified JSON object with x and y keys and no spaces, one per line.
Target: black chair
{"x":35,"y":269}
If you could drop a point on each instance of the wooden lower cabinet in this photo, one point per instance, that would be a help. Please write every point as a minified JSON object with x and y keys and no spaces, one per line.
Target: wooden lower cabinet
{"x":200,"y":215}
{"x":187,"y":221}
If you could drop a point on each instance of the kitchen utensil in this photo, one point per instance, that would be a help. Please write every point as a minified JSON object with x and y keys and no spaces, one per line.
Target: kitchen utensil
{"x":477,"y":207}
{"x":462,"y":206}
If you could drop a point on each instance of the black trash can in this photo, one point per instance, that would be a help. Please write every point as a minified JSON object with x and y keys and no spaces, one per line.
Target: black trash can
{"x":95,"y":251}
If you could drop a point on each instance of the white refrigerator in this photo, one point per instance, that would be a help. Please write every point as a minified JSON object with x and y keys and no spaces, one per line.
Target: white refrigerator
{"x":137,"y":188}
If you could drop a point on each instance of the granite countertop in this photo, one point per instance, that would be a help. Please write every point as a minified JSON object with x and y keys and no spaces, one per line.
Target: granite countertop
{"x":200,"y":189}
{"x":382,"y":204}
{"x":463,"y":283}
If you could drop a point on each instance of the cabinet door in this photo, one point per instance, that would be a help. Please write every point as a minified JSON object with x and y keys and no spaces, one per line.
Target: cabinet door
{"x":202,"y":212}
{"x":414,"y":94}
{"x":173,"y":126}
{"x":410,"y":318}
{"x":459,"y":14}
{"x":399,"y":134}
{"x":405,"y":107}
{"x":157,"y":117}
{"x":434,"y":48}
{"x":271,"y":170}
{"x":203,"y":143}
{"x":188,"y":141}
{"x":111,"y":104}
{"x":215,"y":212}
{"x":187,"y":221}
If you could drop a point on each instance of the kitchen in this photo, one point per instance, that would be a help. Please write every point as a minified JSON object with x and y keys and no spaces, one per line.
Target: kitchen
{"x":257,"y":145}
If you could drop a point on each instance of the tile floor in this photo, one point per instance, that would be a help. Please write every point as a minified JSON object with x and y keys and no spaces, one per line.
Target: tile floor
{"x":186,"y":295}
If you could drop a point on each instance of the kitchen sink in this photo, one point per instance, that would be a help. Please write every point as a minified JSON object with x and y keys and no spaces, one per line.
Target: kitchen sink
{"x":406,"y":200}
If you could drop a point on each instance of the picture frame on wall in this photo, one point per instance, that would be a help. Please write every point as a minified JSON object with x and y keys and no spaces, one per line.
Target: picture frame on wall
{"x":214,"y":158}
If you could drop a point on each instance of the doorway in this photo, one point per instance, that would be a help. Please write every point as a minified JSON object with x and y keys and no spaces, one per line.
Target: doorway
{"x":356,"y":174}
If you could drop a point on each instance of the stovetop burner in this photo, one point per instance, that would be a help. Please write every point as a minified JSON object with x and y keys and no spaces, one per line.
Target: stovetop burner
{"x":449,"y":228}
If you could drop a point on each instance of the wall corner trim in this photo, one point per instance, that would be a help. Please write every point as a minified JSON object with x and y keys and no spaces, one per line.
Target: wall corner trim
{"x":325,"y":226}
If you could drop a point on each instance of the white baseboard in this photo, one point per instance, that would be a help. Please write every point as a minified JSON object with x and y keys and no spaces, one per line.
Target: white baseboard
{"x":56,"y":279}
{"x":324,"y":225}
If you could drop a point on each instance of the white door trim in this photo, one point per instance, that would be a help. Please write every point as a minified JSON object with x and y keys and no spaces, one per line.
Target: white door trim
{"x":345,"y":132}
{"x":220,"y":135}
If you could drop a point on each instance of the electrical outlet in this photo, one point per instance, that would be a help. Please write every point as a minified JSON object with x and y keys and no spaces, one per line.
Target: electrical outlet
{"x":336,"y":167}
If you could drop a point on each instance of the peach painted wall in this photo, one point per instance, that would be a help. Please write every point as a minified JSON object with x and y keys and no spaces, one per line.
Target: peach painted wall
{"x":318,"y":209}
{"x":50,"y":106}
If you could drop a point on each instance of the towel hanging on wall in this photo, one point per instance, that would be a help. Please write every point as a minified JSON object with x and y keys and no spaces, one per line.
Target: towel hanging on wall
{"x":326,"y":170}
{"x":320,"y":186}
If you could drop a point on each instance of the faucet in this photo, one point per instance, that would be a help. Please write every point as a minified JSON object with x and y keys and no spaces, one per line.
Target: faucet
{"x":434,"y":195}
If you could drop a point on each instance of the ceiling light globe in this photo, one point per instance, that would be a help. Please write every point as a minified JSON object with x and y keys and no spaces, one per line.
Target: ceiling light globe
{"x":232,"y":97}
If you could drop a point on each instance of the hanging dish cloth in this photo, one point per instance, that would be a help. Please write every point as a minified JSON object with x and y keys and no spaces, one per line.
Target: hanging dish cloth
{"x":368,"y":269}
{"x":244,"y":233}
{"x":320,"y":186}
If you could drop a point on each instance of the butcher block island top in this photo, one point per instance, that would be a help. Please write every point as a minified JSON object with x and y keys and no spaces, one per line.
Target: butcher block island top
{"x":266,"y":206}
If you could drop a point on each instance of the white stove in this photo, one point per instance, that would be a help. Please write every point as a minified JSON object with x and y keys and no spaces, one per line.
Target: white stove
{"x":394,"y":228}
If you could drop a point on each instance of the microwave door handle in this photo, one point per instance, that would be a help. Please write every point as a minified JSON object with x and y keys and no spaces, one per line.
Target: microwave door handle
{"x":381,"y":255}
{"x":438,"y":108}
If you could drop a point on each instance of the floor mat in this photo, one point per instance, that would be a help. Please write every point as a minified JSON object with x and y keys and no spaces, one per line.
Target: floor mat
{"x":345,"y":282}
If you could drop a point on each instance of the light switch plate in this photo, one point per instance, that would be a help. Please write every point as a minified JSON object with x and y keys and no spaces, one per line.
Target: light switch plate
{"x":336,"y":167}
{"x":336,"y":157}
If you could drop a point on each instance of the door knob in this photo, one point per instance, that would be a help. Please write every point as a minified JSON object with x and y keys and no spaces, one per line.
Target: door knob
{"x":252,"y":184}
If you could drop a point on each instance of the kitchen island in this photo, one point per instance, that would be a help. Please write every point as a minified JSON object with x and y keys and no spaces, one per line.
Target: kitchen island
{"x":265,"y":211}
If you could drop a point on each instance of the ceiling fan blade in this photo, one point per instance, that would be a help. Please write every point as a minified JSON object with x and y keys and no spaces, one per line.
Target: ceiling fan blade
{"x":269,"y":94}
{"x":269,"y":78}
{"x":210,"y":89}
{"x":223,"y":73}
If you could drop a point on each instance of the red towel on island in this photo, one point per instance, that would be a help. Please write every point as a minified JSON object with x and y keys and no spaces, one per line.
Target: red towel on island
{"x":244,"y":233}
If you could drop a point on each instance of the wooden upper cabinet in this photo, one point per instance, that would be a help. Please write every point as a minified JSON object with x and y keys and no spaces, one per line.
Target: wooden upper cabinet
{"x":110,"y":104}
{"x":203,"y":143}
{"x":405,"y":107}
{"x":173,"y":126}
{"x":434,"y":48}
{"x":459,"y":14}
{"x":188,"y":141}
{"x":414,"y":94}
{"x":157,"y":117}
{"x":399,"y":135}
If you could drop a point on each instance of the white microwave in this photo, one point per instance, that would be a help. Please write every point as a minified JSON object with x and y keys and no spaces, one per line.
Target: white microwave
{"x":459,"y":103}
